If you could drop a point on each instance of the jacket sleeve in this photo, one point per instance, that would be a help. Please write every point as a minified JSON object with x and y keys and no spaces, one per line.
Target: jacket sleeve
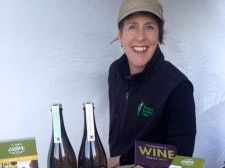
{"x":110,"y":79}
{"x":180,"y":119}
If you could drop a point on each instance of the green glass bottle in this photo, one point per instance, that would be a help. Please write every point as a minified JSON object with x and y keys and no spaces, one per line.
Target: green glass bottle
{"x":61,"y":153}
{"x":92,"y":153}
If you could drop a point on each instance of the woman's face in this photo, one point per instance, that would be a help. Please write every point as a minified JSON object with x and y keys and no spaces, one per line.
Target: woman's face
{"x":139,"y":37}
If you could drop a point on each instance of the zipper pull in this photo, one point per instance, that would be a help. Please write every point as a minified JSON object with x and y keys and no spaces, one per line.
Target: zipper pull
{"x":127,"y":95}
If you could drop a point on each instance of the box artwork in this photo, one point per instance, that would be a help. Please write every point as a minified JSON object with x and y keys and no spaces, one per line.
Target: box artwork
{"x":19,"y":153}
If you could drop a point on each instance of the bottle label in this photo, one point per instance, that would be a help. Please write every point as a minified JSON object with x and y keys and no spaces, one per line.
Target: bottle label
{"x":90,"y":122}
{"x":56,"y":124}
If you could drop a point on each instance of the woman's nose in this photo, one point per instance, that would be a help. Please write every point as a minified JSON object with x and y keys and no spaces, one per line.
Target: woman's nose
{"x":140,"y":35}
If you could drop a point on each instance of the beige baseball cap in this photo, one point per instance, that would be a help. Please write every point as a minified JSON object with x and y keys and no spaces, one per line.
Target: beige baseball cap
{"x":131,"y":6}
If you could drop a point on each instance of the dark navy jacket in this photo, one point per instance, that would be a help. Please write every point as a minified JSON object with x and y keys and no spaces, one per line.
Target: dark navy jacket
{"x":156,"y":105}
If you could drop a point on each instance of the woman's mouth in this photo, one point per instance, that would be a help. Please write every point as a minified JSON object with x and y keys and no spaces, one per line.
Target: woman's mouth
{"x":139,"y":49}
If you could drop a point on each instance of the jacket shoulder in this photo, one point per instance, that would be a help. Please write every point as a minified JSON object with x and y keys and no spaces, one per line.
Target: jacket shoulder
{"x":117,"y":67}
{"x":172,"y":73}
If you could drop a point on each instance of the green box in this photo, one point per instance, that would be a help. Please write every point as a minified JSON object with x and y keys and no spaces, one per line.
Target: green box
{"x":18,"y":153}
{"x":187,"y":162}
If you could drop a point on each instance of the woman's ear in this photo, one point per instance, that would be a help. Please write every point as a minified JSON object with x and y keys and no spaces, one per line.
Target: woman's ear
{"x":119,"y":38}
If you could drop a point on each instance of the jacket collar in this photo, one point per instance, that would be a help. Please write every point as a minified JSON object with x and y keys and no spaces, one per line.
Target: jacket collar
{"x":136,"y":78}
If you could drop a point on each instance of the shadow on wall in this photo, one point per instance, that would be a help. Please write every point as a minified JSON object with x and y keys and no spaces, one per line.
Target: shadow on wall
{"x":210,"y":142}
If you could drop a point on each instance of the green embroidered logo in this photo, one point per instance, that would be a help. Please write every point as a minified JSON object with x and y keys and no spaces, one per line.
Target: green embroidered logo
{"x":144,"y":110}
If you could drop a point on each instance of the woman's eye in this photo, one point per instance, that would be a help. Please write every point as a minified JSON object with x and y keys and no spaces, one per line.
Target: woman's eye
{"x":149,"y":27}
{"x":132,"y":27}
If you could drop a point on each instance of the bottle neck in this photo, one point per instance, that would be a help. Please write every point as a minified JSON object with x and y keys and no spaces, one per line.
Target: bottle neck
{"x":58,"y":125}
{"x":89,"y":122}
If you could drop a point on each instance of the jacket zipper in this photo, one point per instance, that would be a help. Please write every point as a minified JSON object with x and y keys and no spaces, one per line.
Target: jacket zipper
{"x":123,"y":117}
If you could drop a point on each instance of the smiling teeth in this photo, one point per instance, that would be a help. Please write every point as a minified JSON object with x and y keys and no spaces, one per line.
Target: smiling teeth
{"x":140,"y":49}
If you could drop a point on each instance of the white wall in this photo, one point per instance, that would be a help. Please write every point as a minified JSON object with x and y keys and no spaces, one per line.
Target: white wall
{"x":59,"y":51}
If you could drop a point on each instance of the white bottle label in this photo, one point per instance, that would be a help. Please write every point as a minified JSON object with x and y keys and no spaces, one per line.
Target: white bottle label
{"x":56,"y":124}
{"x":90,"y":122}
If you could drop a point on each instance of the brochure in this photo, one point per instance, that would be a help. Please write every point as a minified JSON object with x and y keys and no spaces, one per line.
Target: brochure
{"x":155,"y":155}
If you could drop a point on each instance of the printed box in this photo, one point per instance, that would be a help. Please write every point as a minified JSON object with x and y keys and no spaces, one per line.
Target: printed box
{"x":18,"y":153}
{"x":155,"y":155}
{"x":187,"y":162}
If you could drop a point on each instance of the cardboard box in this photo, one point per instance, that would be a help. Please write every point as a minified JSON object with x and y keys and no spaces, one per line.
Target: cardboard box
{"x":18,"y":153}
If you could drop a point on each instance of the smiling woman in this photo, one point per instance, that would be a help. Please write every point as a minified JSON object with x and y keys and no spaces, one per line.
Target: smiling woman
{"x":150,"y":99}
{"x":139,"y":37}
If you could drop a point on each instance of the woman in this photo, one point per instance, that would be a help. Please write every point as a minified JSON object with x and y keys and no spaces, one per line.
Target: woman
{"x":150,"y":99}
